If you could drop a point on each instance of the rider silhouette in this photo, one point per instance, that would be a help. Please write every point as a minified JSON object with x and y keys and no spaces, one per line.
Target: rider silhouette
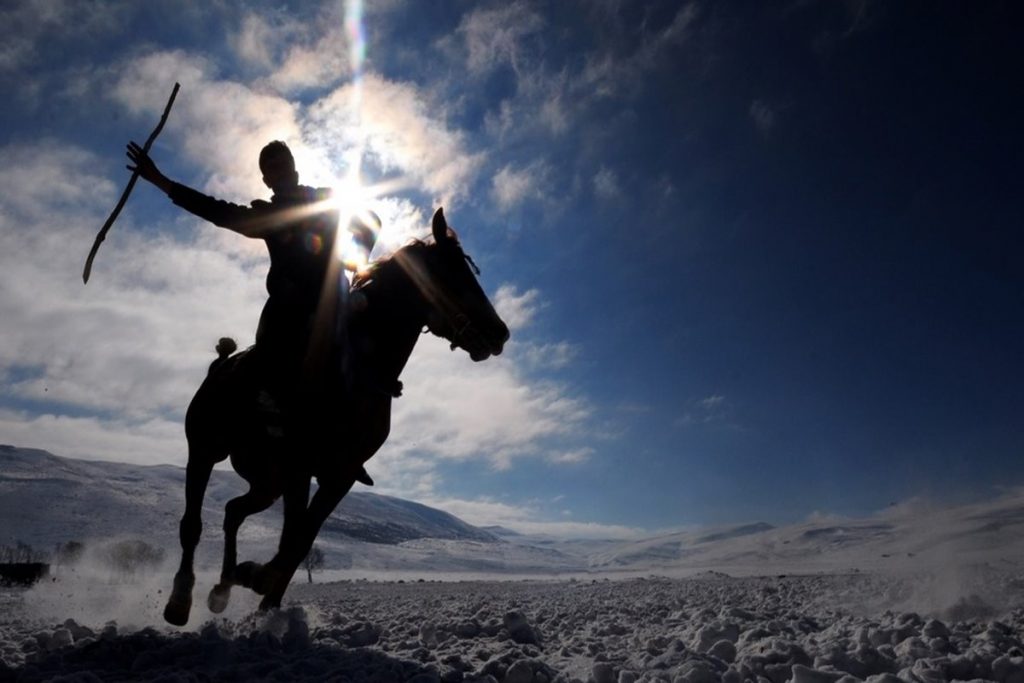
{"x":299,"y":226}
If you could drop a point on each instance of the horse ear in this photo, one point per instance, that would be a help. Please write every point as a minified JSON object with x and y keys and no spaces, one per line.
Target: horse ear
{"x":440,"y":226}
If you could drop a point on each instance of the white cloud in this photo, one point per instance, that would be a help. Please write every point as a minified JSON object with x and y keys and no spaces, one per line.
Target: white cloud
{"x":292,"y":55}
{"x":571,"y":457}
{"x":36,"y":179}
{"x":515,"y":308}
{"x":544,"y":356}
{"x":316,"y":60}
{"x":511,"y":187}
{"x":710,"y":409}
{"x":542,"y":104}
{"x":607,"y":73}
{"x":606,"y":184}
{"x":493,"y":35}
{"x":484,"y":411}
{"x":121,"y":343}
{"x":554,"y":113}
{"x":401,"y":132}
{"x":453,"y":409}
{"x":28,"y":26}
{"x":255,"y":40}
{"x":222,"y":124}
{"x":144,"y":442}
{"x":713,"y":402}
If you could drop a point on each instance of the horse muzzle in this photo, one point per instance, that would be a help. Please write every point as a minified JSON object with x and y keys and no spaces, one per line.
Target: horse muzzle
{"x":480,"y":346}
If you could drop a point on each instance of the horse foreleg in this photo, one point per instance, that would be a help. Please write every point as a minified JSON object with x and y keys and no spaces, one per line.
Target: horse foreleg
{"x":324,"y":501}
{"x":197,"y":476}
{"x":374,"y":417}
{"x":235,"y":512}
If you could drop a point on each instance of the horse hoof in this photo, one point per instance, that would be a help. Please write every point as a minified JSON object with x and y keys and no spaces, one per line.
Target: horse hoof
{"x":176,"y":612}
{"x":218,"y":599}
{"x":245,"y":573}
{"x":180,"y":602}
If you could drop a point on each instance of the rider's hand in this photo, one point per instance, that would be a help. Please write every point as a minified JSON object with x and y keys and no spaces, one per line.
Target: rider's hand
{"x":144,"y":165}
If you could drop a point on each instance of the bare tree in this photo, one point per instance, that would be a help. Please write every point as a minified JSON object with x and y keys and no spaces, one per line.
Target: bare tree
{"x":314,"y":560}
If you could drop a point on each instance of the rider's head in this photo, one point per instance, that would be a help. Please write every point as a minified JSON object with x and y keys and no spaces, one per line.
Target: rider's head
{"x":278,"y":167}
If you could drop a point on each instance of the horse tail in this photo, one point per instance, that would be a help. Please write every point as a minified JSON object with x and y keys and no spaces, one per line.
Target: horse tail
{"x":225,"y":347}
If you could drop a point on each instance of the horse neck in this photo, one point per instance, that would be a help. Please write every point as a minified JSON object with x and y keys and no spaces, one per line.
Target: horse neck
{"x":397,"y":315}
{"x":401,"y":338}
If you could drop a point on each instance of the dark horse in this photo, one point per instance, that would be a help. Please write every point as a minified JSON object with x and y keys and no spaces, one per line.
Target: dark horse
{"x":424,"y":284}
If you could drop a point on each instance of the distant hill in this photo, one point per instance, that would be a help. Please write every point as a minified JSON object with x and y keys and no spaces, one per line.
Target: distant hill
{"x":46,"y":499}
{"x":909,"y":537}
{"x":500,"y":530}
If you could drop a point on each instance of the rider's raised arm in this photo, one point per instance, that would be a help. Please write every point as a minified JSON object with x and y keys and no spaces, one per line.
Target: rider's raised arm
{"x":249,"y":221}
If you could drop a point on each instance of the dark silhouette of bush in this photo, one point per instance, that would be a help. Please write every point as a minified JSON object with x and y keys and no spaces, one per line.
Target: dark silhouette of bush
{"x":131,"y":556}
{"x":68,"y":553}
{"x":22,"y":573}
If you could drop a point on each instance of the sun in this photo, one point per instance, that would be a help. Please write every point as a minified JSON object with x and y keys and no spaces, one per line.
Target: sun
{"x":352,"y":199}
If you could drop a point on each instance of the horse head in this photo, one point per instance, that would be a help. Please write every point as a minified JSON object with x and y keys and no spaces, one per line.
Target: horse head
{"x":456,"y":307}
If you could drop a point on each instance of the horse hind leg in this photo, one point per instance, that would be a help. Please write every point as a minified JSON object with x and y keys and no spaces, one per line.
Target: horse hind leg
{"x":197,"y":476}
{"x":235,"y":512}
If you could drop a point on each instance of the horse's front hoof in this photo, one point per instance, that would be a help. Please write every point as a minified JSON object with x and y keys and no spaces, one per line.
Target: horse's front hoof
{"x":176,"y":612}
{"x":180,"y":602}
{"x":219,"y":597}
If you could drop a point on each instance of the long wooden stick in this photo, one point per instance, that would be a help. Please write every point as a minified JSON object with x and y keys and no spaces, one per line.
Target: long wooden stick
{"x":127,"y":190}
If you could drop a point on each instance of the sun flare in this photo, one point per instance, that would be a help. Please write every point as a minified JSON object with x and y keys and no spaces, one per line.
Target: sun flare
{"x":352,"y":199}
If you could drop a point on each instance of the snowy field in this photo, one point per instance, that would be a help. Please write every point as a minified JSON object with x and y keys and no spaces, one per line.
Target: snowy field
{"x":961,"y":625}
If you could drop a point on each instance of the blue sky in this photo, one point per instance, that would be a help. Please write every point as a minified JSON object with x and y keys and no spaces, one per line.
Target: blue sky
{"x":760,"y":260}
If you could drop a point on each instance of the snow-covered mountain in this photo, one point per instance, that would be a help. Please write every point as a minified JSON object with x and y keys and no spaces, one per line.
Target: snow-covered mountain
{"x":45,"y":500}
{"x":912,"y":536}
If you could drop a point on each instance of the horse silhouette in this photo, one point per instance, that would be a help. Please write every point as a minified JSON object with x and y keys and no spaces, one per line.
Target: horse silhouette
{"x":424,"y":284}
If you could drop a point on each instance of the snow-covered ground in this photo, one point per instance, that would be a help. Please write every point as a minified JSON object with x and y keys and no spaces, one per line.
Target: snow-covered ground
{"x":709,"y":627}
{"x":917,"y":592}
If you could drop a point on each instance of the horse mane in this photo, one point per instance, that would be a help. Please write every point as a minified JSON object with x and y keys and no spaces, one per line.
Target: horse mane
{"x":363,"y":277}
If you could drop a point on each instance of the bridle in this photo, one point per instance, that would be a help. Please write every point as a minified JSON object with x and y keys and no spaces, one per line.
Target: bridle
{"x":459,"y":325}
